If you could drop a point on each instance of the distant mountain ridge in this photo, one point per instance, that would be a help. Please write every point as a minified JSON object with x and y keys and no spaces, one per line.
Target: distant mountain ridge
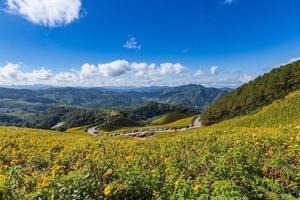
{"x":17,"y":105}
{"x":187,"y":95}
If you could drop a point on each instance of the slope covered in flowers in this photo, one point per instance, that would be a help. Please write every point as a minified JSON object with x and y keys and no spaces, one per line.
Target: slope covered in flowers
{"x":281,"y":113}
{"x":225,"y":162}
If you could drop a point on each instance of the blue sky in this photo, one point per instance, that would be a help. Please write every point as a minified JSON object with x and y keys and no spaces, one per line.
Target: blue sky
{"x":145,"y":42}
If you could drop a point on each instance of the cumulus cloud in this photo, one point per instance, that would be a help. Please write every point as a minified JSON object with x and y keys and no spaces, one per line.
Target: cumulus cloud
{"x":50,"y":13}
{"x":92,"y":74}
{"x":123,"y":72}
{"x":144,"y":69}
{"x":87,"y":71}
{"x":214,"y":70}
{"x":115,"y":68}
{"x":132,"y":43}
{"x":198,"y":73}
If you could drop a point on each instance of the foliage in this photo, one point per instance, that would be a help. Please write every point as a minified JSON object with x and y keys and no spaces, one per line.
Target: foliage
{"x":168,"y":118}
{"x":195,"y":96}
{"x":23,"y":102}
{"x":154,"y":109}
{"x":207,"y":163}
{"x":117,"y":123}
{"x":10,"y":120}
{"x":231,"y":160}
{"x":281,"y":113}
{"x":251,"y":157}
{"x":249,"y":97}
{"x":70,"y":117}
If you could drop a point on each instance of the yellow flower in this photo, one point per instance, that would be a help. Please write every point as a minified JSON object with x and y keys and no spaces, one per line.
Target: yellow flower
{"x":3,"y":178}
{"x":109,"y":171}
{"x":54,"y":169}
{"x":196,"y":188}
{"x":177,"y":183}
{"x":14,"y":162}
{"x":167,"y":159}
{"x":107,"y":190}
{"x":78,"y":163}
{"x":129,"y":158}
{"x":44,"y":182}
{"x":34,"y":173}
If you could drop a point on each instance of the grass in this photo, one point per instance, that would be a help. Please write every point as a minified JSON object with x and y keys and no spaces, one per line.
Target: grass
{"x":237,"y":159}
{"x":168,"y":118}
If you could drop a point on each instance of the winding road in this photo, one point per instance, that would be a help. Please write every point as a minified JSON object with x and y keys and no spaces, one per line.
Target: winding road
{"x":148,"y":132}
{"x":92,"y":130}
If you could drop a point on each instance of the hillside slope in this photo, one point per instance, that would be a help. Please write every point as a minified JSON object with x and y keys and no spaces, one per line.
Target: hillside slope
{"x":284,"y":112}
{"x":255,"y":94}
{"x":205,"y":163}
{"x":255,"y":156}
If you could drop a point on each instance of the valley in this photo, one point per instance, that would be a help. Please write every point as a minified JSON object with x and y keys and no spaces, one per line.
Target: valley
{"x":162,"y":151}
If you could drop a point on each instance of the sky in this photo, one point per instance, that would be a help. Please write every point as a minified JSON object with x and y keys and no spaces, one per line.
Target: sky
{"x":217,"y":43}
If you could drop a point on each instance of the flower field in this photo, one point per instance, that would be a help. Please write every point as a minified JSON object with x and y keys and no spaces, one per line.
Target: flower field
{"x":225,"y":161}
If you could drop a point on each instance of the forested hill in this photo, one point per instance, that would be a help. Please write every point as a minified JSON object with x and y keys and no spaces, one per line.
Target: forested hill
{"x":30,"y":100}
{"x":262,"y":91}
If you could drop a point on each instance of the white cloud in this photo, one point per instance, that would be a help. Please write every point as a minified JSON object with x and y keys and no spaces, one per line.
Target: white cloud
{"x":132,"y":43}
{"x":65,"y":78}
{"x":50,"y":13}
{"x":291,"y":60}
{"x":198,"y":73}
{"x":214,"y":70}
{"x":122,"y":73}
{"x":170,"y":68}
{"x":10,"y":72}
{"x":115,"y":68}
{"x":87,"y":71}
{"x":144,"y":69}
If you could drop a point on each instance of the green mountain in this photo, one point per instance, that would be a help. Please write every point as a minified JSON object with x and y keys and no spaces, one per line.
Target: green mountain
{"x":189,"y":95}
{"x":255,"y":94}
{"x":22,"y":103}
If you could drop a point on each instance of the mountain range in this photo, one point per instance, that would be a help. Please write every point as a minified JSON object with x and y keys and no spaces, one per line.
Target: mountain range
{"x":31,"y":100}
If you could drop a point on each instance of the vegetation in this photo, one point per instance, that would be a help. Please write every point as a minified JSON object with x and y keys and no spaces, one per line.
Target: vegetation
{"x":178,"y":123}
{"x":237,"y":159}
{"x":168,"y":118}
{"x":195,"y":96}
{"x":282,"y":113}
{"x":249,"y":97}
{"x":68,"y":117}
{"x":154,"y":109}
{"x":9,"y":120}
{"x":25,"y":103}
{"x":117,"y":123}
